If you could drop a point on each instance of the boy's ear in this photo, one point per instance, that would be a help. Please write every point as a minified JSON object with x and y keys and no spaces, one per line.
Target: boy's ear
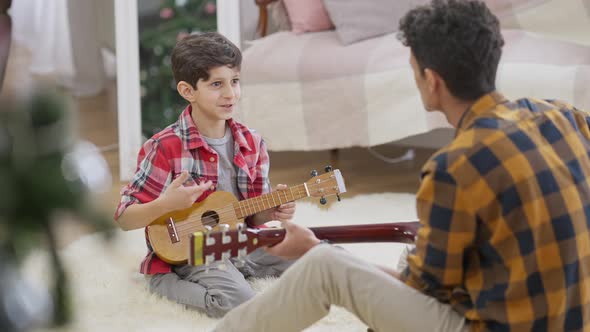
{"x":186,"y":91}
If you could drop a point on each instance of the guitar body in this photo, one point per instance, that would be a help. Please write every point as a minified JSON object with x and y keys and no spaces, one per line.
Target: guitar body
{"x":169,"y":235}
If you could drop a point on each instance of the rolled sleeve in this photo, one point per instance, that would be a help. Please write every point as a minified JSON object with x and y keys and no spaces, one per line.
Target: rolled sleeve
{"x":152,"y":176}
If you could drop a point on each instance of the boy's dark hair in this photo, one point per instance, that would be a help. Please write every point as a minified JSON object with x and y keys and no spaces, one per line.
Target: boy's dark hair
{"x":195,"y":55}
{"x":458,"y":39}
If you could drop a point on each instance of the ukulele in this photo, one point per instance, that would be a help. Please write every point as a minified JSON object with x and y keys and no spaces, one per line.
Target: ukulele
{"x":169,"y":234}
{"x":210,"y":246}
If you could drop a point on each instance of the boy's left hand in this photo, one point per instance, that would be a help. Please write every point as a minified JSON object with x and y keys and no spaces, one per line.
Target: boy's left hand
{"x":284,"y":212}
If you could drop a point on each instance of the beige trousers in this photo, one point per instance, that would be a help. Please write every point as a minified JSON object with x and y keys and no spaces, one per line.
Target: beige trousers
{"x":328,"y":275}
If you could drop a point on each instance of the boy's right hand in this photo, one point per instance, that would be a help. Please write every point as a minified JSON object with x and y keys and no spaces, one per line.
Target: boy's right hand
{"x":179,"y":196}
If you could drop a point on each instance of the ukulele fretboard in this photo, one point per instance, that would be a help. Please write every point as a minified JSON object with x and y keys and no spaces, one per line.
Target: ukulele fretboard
{"x":254,"y":205}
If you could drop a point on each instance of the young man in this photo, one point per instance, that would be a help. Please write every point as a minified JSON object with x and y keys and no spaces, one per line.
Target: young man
{"x":204,"y":151}
{"x":505,"y":241}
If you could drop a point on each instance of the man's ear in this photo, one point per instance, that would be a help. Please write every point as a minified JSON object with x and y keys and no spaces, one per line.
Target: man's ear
{"x":186,"y":91}
{"x":432,"y":80}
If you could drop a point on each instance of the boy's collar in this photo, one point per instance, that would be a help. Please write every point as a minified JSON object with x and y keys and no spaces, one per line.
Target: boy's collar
{"x":238,"y":135}
{"x":192,"y":138}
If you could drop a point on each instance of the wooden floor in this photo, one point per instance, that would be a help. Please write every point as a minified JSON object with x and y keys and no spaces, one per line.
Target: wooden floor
{"x":96,"y":119}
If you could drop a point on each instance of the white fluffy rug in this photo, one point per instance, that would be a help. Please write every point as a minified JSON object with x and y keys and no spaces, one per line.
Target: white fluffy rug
{"x":110,"y":295}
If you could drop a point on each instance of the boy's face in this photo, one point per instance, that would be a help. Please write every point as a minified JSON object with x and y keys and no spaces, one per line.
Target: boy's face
{"x":215,"y":98}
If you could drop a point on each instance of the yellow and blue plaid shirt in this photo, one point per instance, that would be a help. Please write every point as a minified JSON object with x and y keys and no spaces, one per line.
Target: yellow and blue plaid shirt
{"x":505,"y":214}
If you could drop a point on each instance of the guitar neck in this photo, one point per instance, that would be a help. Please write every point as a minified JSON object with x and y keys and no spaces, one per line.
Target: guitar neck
{"x":390,"y":232}
{"x":273,"y":199}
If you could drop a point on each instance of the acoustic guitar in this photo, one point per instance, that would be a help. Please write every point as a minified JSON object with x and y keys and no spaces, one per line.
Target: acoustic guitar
{"x":169,"y":234}
{"x":210,"y":246}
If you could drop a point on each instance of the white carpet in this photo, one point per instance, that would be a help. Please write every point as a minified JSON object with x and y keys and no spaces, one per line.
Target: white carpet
{"x":110,"y":295}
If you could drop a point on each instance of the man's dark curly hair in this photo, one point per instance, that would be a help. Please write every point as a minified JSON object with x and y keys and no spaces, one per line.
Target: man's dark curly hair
{"x":458,"y":39}
{"x":195,"y":55}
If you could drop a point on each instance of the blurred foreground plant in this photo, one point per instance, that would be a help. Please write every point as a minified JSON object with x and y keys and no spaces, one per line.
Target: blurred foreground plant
{"x":44,"y":172}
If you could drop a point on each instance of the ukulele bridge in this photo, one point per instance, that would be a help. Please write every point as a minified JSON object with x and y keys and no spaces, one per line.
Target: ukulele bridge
{"x":171,"y":227}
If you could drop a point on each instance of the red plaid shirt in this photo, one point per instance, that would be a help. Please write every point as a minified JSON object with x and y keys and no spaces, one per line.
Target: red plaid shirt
{"x":181,"y":147}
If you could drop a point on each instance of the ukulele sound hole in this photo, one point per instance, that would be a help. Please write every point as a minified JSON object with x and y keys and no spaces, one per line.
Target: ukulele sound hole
{"x":210,"y":218}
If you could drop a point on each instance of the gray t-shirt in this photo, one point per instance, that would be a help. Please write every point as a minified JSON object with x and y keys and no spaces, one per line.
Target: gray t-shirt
{"x":226,"y":171}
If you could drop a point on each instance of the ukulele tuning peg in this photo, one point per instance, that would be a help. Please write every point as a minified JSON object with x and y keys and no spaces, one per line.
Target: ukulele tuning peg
{"x":328,"y":169}
{"x":314,"y":173}
{"x":323,"y":201}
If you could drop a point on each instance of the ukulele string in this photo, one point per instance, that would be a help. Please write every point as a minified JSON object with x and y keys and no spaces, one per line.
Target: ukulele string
{"x":186,"y":227}
{"x":250,"y":206}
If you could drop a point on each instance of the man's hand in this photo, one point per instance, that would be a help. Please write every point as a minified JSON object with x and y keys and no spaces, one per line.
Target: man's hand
{"x":298,"y":240}
{"x":179,"y":196}
{"x":283,"y":212}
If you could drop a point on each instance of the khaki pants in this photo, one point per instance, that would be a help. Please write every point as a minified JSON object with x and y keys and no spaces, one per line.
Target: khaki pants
{"x":328,"y":275}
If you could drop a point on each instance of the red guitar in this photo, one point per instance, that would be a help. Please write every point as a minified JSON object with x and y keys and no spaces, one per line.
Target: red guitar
{"x":208,"y":247}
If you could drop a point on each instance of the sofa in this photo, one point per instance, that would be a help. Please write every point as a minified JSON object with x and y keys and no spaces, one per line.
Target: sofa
{"x":317,"y":88}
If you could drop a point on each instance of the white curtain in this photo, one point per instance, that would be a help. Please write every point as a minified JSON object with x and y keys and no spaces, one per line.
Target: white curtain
{"x":62,"y":36}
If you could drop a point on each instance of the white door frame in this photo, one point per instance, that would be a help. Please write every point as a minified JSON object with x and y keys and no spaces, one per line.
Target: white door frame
{"x":128,"y":82}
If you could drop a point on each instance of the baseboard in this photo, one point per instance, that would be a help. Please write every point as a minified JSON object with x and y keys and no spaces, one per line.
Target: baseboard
{"x":434,"y":139}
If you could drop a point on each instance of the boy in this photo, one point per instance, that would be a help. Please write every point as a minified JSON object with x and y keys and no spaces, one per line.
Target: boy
{"x":204,"y":151}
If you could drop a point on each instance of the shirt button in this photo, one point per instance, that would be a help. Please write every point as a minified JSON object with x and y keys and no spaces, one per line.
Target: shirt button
{"x":212,"y":159}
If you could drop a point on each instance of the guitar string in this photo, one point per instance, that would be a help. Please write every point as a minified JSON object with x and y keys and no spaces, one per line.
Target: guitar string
{"x":248,"y":207}
{"x":187,"y":228}
{"x":190,"y":228}
{"x":228,"y":209}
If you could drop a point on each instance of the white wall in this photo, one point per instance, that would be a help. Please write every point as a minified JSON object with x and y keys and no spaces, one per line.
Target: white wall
{"x":105,"y":10}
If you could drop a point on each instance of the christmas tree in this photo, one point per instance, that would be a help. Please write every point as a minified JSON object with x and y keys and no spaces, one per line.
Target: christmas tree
{"x":158,"y":33}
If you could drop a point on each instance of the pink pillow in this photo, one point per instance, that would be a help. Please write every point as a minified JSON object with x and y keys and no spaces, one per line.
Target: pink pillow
{"x":308,"y":15}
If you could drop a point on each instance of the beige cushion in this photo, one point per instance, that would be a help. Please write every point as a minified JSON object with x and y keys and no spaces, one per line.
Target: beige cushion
{"x":359,"y":20}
